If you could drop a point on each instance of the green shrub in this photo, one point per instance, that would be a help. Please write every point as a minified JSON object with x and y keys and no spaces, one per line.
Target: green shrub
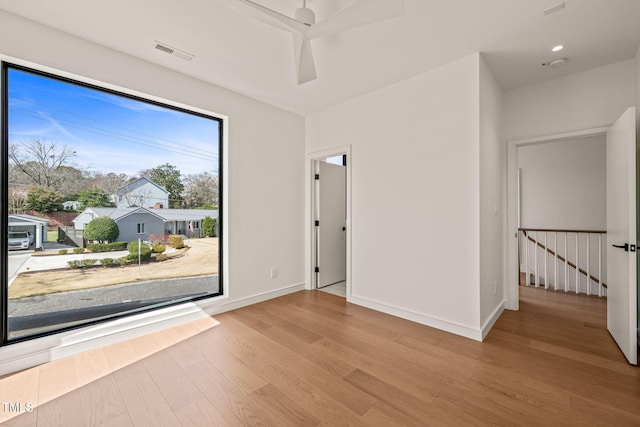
{"x":107,"y":247}
{"x":76,"y":263}
{"x":63,"y":251}
{"x":89,"y":262}
{"x":144,"y":250}
{"x":122,"y":261}
{"x":78,"y":250}
{"x":96,"y":247}
{"x":161,"y":257}
{"x":158,"y":249}
{"x":117,"y":246}
{"x":175,"y":241}
{"x":107,"y":262}
{"x":101,"y":229}
{"x":209,"y":226}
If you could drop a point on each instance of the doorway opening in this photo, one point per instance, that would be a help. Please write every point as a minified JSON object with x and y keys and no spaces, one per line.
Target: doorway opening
{"x":330,"y":231}
{"x":549,"y":242}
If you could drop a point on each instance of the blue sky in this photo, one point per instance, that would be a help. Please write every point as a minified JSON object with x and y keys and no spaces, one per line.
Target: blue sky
{"x":109,"y":133}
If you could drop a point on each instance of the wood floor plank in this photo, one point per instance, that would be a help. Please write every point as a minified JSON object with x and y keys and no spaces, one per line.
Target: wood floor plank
{"x":339,"y":391}
{"x":66,"y":410}
{"x":176,"y":388}
{"x":315,"y":354}
{"x":20,"y":389}
{"x":145,"y":404}
{"x":416,"y":407}
{"x":56,"y":379}
{"x":102,"y":401}
{"x":121,"y":421}
{"x":201,"y":414}
{"x":243,"y":377}
{"x":231,"y":403}
{"x":285,"y":370}
{"x":283,"y":409}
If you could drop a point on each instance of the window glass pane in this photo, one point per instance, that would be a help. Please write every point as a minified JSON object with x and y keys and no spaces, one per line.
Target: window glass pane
{"x":89,"y":173}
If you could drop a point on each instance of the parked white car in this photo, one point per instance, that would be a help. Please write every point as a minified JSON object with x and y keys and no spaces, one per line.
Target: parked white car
{"x":18,"y":240}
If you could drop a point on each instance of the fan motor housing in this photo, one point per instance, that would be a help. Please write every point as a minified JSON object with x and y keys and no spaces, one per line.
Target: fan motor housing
{"x":305,"y":15}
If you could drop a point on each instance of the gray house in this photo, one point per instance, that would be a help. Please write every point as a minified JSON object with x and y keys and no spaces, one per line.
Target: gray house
{"x":137,"y":222}
{"x":141,"y":193}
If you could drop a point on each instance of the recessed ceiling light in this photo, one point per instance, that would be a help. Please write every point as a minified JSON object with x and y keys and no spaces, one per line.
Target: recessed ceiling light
{"x":557,"y":48}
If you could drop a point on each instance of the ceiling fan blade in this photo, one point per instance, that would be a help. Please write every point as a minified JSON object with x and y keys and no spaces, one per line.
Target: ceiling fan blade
{"x":267,"y":15}
{"x":360,"y":13}
{"x":305,"y":64}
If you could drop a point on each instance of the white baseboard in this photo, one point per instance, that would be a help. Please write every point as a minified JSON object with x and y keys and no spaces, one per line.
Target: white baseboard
{"x":444,"y":325}
{"x":488,"y":324}
{"x":214,"y":308}
{"x":27,"y":354}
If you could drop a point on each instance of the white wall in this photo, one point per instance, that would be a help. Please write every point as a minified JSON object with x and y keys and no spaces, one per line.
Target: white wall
{"x":265,"y":198}
{"x":492,"y":160}
{"x":563,"y":184}
{"x":579,"y":101}
{"x":415,"y":170}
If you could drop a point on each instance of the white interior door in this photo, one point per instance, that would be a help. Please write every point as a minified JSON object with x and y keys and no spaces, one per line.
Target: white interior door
{"x":331,"y":214}
{"x":621,"y":230}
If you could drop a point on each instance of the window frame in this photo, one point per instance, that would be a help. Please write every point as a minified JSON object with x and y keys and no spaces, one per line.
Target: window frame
{"x":12,"y":63}
{"x":140,"y":228}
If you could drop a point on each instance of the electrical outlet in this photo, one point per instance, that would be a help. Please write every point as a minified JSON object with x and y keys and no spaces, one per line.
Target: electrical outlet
{"x":495,"y":287}
{"x":274,"y":272}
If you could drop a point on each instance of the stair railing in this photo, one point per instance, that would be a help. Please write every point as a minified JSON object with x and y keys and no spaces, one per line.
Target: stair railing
{"x":557,"y":254}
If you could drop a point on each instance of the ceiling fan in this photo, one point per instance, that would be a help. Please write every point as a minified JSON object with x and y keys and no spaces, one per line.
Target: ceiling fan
{"x":304,"y":27}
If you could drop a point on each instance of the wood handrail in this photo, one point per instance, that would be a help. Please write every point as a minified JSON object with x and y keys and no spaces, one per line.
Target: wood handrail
{"x":561,"y":258}
{"x":559,"y":230}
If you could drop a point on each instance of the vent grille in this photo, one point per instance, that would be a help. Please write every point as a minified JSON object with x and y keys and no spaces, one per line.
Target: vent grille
{"x":164,"y":48}
{"x":173,"y":51}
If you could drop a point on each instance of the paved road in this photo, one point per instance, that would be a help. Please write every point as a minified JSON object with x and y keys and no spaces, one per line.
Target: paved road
{"x":66,"y":307}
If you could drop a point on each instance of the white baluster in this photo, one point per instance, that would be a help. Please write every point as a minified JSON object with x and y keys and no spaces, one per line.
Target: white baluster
{"x":527,"y":277}
{"x":588,"y":264}
{"x":600,"y":265}
{"x":577,"y":264}
{"x":555,"y":272}
{"x":566,"y":263}
{"x":535,"y":259}
{"x":546,"y":279}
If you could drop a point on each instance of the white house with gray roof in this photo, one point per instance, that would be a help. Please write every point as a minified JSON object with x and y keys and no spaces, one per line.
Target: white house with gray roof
{"x":141,"y":193}
{"x":138,"y":222}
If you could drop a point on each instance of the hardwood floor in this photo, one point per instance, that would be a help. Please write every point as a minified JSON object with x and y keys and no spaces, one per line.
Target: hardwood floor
{"x":310,"y":359}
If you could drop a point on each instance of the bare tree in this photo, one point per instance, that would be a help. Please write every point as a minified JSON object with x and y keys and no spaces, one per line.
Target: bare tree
{"x":17,"y":202}
{"x":201,"y":189}
{"x":45,"y":163}
{"x":108,"y":182}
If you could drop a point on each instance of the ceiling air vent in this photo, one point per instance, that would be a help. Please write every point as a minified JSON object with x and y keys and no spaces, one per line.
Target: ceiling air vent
{"x":173,"y":51}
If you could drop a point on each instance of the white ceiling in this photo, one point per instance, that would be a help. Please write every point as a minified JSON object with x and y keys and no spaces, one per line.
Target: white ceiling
{"x":241,"y":54}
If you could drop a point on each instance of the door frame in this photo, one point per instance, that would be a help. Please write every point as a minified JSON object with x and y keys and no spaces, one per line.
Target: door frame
{"x":310,"y":208}
{"x":512,"y":277}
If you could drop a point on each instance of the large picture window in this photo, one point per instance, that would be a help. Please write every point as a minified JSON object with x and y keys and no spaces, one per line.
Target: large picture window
{"x":103,"y":195}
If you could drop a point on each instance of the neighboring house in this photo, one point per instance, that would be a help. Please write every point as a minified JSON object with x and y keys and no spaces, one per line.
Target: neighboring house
{"x":32,"y":224}
{"x":135,"y":223}
{"x":142,"y":193}
{"x":71,"y":205}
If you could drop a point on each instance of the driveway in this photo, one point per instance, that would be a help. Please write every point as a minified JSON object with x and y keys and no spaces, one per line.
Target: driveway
{"x":53,"y":262}
{"x":16,"y":260}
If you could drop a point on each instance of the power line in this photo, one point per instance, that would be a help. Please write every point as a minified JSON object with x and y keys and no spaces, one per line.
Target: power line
{"x":133,"y":139}
{"x":108,"y":124}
